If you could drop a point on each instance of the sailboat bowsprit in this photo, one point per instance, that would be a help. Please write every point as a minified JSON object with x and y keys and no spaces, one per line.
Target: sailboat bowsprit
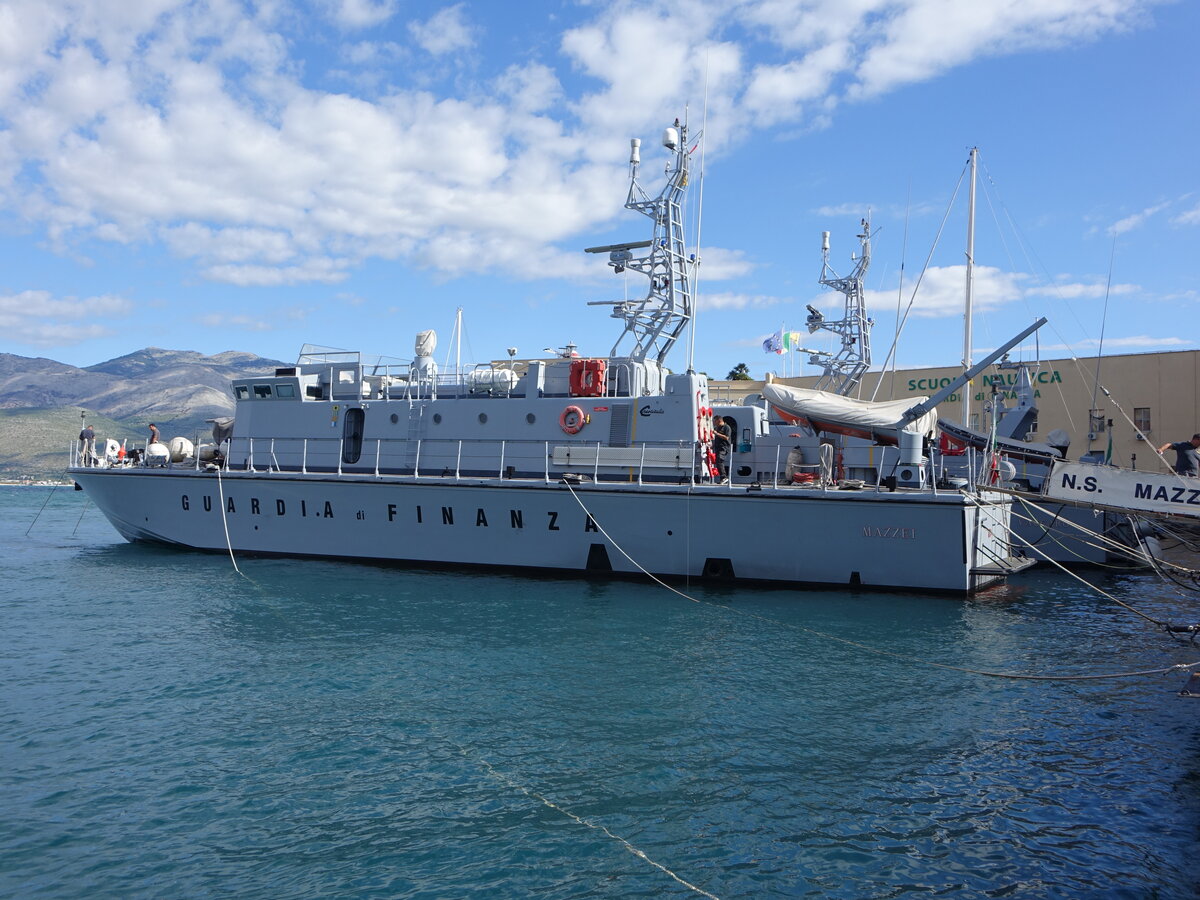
{"x":570,"y":464}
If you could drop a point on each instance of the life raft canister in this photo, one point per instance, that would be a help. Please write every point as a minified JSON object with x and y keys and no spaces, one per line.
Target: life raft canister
{"x":588,"y":377}
{"x":572,"y":420}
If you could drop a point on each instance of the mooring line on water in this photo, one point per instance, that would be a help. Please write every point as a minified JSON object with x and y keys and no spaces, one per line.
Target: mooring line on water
{"x":50,"y":494}
{"x":86,"y":503}
{"x":577,"y":819}
{"x":1017,"y":676}
{"x":1084,"y":581}
{"x":225,"y":523}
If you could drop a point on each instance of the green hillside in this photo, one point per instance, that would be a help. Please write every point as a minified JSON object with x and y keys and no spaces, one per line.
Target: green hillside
{"x":36,"y":443}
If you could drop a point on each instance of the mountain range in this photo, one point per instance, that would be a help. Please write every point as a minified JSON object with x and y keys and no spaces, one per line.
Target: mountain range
{"x":44,"y":402}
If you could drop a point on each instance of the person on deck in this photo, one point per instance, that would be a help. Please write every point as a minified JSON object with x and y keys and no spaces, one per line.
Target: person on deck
{"x":154,"y":436}
{"x":722,"y":441}
{"x":87,"y":445}
{"x":1187,"y":459}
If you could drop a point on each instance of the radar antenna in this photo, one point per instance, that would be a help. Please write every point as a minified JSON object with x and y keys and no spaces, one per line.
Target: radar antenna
{"x":654,"y":323}
{"x":844,"y":368}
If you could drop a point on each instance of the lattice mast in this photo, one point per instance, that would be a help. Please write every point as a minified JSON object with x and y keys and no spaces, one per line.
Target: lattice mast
{"x":844,"y":368}
{"x":654,"y":323}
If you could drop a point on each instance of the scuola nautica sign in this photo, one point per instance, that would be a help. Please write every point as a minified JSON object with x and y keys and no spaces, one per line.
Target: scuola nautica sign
{"x":1003,"y":381}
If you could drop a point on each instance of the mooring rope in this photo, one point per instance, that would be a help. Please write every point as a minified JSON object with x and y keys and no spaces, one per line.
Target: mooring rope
{"x":49,"y":494}
{"x":225,"y":523}
{"x":1018,"y":676}
{"x":1166,"y":626}
{"x":577,"y":819}
{"x":86,"y":503}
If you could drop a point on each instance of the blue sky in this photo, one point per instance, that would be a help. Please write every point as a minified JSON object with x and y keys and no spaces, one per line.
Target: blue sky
{"x":252,"y":176}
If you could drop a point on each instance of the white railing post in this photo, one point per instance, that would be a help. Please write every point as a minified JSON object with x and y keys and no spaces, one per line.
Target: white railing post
{"x":249,"y":458}
{"x":642,"y":464}
{"x":458,"y":462}
{"x":417,"y":460}
{"x":596,"y":468}
{"x":378,"y":447}
{"x":304,"y":458}
{"x":547,"y":456}
{"x":775,"y":474}
{"x":341,"y":448}
{"x":502,"y":444}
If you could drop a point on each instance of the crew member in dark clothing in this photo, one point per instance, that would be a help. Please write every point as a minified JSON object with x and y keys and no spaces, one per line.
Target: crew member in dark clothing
{"x":722,"y":440}
{"x":87,"y":445}
{"x":1187,"y":459}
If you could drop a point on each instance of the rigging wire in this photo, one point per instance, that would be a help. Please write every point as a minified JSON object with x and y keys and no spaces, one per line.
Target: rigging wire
{"x":1031,"y":256}
{"x":1166,"y":626}
{"x":1017,"y":676}
{"x":916,"y":287}
{"x":900,"y":289}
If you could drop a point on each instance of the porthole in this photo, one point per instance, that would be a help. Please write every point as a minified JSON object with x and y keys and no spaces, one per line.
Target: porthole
{"x":437,"y":418}
{"x":530,"y":418}
{"x":395,"y":418}
{"x":483,"y":418}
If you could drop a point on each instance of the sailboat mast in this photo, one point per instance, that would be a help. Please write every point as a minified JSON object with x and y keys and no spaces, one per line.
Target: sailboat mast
{"x":966,"y":360}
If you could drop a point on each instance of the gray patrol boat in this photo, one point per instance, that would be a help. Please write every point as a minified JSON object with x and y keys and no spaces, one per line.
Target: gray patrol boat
{"x":572,"y":464}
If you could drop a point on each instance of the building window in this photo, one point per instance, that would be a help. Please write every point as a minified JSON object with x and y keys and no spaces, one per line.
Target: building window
{"x":1096,"y":421}
{"x":242,"y":391}
{"x":974,"y":421}
{"x":1141,"y":419}
{"x":262,"y":392}
{"x":285,"y":390}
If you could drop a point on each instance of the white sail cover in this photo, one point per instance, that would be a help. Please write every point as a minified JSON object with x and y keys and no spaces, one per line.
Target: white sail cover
{"x":844,"y":415}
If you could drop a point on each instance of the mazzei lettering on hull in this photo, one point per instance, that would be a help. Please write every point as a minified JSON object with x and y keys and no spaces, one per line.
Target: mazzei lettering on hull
{"x":1124,"y":489}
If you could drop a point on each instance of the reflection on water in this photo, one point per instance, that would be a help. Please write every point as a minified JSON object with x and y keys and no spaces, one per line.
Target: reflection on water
{"x":329,"y":729}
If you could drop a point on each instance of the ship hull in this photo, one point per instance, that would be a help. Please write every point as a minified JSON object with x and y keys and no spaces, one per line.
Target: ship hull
{"x":943,"y":542}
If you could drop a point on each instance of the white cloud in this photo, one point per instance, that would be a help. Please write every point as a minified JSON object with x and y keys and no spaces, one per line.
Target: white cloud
{"x":233,"y":322}
{"x":1077,"y":290}
{"x":1129,"y":223}
{"x":918,"y":40}
{"x":942,"y":291}
{"x":446,"y":32}
{"x":736,"y":301}
{"x":1136,"y":342}
{"x":38,"y":318}
{"x":1188,"y":217}
{"x":354,"y":14}
{"x":194,"y":124}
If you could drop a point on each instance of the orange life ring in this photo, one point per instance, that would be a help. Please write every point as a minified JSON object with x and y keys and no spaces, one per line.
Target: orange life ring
{"x":572,"y":420}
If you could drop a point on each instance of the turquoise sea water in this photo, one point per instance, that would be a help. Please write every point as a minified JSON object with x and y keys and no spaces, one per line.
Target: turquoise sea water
{"x":171,"y":729}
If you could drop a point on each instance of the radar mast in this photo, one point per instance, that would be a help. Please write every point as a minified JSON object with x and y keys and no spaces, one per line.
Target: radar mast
{"x":654,"y":323}
{"x":844,"y":368}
